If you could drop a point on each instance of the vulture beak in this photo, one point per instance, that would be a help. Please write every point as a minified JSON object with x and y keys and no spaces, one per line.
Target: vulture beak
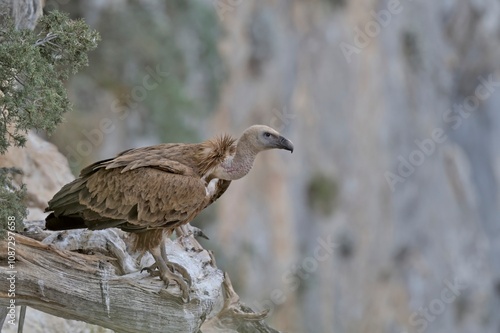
{"x":284,"y":143}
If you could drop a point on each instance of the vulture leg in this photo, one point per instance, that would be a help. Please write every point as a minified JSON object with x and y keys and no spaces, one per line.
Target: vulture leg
{"x":174,"y":267}
{"x":181,"y":231}
{"x":166,"y":274}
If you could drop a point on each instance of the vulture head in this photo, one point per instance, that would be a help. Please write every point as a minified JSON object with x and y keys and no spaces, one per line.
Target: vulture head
{"x":255,"y":139}
{"x":264,"y":137}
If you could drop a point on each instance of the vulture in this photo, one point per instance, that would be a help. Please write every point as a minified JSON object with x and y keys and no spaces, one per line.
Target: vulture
{"x":152,"y":191}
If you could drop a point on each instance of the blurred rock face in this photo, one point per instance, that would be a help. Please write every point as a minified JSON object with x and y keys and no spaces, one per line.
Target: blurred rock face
{"x":41,"y":168}
{"x":44,"y":170}
{"x":391,"y":106}
{"x":385,"y":218}
{"x":24,"y":12}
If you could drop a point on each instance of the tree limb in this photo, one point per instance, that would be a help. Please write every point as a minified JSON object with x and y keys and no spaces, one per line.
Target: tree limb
{"x":101,"y":284}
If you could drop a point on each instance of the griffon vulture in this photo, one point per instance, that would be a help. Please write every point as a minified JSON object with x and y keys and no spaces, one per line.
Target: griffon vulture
{"x":150,"y":191}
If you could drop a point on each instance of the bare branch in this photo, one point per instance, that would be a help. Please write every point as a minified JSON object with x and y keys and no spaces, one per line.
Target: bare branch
{"x":104,"y":286}
{"x":47,"y":40}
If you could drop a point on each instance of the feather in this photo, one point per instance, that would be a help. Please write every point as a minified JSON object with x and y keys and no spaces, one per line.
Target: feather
{"x":150,"y":191}
{"x":141,"y":189}
{"x":213,"y":152}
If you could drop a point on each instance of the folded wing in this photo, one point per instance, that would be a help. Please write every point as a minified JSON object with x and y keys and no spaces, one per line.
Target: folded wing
{"x":130,"y":192}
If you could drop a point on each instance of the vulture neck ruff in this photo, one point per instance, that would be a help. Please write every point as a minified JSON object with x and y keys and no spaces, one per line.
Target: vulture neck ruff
{"x":238,"y":165}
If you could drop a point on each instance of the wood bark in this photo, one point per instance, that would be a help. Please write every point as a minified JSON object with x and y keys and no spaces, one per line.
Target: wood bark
{"x":98,"y":282}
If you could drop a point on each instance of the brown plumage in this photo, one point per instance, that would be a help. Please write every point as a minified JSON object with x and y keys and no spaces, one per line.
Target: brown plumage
{"x":150,"y":191}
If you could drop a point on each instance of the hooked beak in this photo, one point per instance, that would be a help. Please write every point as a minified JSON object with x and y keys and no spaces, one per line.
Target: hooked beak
{"x":284,"y":143}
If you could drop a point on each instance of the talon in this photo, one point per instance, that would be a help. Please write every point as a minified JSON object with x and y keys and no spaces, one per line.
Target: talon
{"x":197,"y":232}
{"x":168,"y":276}
{"x":151,"y":270}
{"x":167,"y":271}
{"x":174,"y":267}
{"x":188,"y":230}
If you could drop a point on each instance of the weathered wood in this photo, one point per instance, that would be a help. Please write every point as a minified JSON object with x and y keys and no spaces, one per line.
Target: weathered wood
{"x":236,"y":317}
{"x":85,"y":287}
{"x":3,"y":314}
{"x":104,"y":286}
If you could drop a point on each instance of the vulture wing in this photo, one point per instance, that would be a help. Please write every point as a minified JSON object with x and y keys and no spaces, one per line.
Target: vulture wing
{"x":138,"y":190}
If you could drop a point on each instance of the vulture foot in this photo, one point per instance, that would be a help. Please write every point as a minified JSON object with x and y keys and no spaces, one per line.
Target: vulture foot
{"x":187,"y":230}
{"x":168,"y":276}
{"x":176,"y":268}
{"x":173,"y":267}
{"x":151,"y":270}
{"x":169,"y":271}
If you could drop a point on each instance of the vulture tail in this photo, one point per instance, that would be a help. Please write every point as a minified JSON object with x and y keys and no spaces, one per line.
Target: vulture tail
{"x":64,"y":222}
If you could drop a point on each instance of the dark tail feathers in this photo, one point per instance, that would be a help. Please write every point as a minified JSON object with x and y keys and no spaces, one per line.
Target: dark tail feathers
{"x":64,"y":222}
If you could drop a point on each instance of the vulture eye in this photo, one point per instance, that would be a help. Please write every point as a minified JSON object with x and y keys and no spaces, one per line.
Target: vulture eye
{"x":267,"y":134}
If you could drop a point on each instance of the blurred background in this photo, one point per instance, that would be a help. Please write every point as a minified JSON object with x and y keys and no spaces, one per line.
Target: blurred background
{"x":386,"y":217}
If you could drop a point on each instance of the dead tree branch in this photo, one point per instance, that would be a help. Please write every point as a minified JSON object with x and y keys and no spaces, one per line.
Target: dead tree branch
{"x":89,"y":276}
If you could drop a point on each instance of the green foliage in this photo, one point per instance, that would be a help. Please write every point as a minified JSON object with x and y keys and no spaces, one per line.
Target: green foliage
{"x":177,"y":37}
{"x":410,"y":46}
{"x":322,"y":193}
{"x":11,"y":199}
{"x":180,"y":107}
{"x":33,"y":67}
{"x":338,"y":3}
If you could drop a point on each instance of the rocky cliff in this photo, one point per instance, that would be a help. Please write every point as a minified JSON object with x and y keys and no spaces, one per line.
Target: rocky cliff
{"x":386,"y":217}
{"x":392,"y":106}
